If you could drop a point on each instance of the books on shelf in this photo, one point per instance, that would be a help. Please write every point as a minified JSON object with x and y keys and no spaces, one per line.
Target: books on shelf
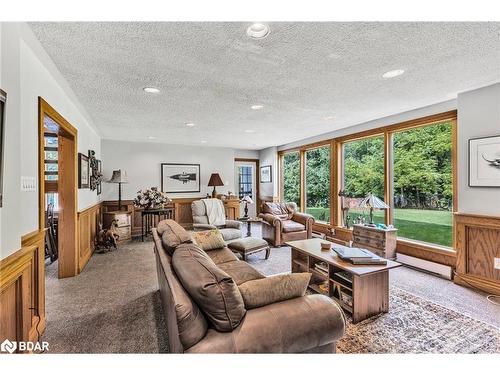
{"x":344,"y":275}
{"x":321,"y":267}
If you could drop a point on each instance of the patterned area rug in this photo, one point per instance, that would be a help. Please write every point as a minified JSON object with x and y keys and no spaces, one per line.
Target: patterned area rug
{"x":415,"y":325}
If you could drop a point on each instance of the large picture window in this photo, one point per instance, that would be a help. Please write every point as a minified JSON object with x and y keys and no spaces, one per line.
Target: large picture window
{"x":318,"y":183}
{"x":423,"y":188}
{"x":363,"y":171}
{"x":291,"y":177}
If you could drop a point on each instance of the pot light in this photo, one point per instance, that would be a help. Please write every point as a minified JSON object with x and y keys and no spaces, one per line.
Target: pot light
{"x":258,"y":31}
{"x":189,"y":124}
{"x":257,"y":106}
{"x":151,"y":137}
{"x":203,"y":141}
{"x":151,"y":90}
{"x":249,"y":131}
{"x":393,"y":73}
{"x":328,"y":118}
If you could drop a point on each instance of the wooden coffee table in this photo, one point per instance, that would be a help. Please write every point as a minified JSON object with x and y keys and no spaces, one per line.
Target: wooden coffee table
{"x":361,"y":290}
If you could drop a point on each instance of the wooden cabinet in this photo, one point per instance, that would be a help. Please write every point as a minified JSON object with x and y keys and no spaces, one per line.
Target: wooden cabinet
{"x":379,"y":241}
{"x":232,"y":208}
{"x":124,"y":222}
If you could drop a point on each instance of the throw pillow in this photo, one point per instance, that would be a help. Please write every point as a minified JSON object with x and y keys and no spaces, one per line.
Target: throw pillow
{"x":213,"y":290}
{"x":273,"y":289}
{"x":172,"y":235}
{"x":209,"y":239}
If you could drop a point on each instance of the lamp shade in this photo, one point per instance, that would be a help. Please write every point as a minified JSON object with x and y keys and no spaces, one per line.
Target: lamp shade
{"x":215,"y":180}
{"x":119,"y":177}
{"x":247,"y":199}
{"x":371,"y":201}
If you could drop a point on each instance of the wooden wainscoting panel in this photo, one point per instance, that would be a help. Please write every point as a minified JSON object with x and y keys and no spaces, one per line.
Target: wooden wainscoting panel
{"x":36,"y":240}
{"x":88,"y":227}
{"x":16,"y":288}
{"x":477,"y":242}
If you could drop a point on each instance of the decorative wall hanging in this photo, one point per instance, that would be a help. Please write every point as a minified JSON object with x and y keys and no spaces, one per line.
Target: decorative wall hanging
{"x":83,"y":171}
{"x":3,"y":98}
{"x":265,"y":174}
{"x":180,"y":178}
{"x":99,"y":185}
{"x":95,"y":176}
{"x":484,"y":162}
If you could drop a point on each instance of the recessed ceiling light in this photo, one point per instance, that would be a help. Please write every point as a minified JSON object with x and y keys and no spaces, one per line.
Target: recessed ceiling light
{"x":151,"y":90}
{"x":203,"y":141}
{"x":328,"y":118}
{"x":258,"y":31}
{"x":190,"y":124}
{"x":249,"y":131}
{"x":393,"y":73}
{"x":257,"y":106}
{"x":151,"y":137}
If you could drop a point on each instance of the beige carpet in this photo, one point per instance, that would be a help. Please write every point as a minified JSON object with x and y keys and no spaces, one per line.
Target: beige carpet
{"x":113,"y":307}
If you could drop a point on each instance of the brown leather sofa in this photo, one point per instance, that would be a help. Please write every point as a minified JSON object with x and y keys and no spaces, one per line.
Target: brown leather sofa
{"x":308,"y":324}
{"x":281,"y":223}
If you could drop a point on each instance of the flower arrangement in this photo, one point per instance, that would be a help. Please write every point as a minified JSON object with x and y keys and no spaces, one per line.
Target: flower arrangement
{"x":150,"y":198}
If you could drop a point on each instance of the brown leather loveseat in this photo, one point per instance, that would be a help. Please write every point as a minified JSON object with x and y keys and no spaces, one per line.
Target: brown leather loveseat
{"x":281,"y":223}
{"x":309,"y":324}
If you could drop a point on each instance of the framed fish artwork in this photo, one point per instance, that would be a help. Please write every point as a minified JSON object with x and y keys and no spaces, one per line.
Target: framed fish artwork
{"x":180,"y":178}
{"x":484,"y":162}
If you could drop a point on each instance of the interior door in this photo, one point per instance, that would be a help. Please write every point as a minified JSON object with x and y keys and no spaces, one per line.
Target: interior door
{"x":246,"y":185}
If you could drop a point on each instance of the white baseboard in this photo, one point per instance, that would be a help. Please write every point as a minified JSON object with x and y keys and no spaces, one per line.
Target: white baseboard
{"x":435,"y":268}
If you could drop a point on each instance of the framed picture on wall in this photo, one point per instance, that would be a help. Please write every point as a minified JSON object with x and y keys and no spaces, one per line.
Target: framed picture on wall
{"x":99,"y":184}
{"x":484,"y":162}
{"x":265,"y":174}
{"x":3,"y":99}
{"x":83,"y":171}
{"x":180,"y":178}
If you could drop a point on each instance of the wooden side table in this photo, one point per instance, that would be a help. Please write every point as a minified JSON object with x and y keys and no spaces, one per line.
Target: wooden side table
{"x":151,"y":217}
{"x":380,"y":241}
{"x":249,"y":222}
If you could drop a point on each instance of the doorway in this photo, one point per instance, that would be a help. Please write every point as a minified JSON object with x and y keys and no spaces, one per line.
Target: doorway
{"x":57,"y":188}
{"x":247,"y":184}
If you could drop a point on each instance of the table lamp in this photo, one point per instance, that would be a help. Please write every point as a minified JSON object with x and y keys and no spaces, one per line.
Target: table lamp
{"x":119,"y":177}
{"x":247,"y":201}
{"x":371,"y":202}
{"x":214,"y":181}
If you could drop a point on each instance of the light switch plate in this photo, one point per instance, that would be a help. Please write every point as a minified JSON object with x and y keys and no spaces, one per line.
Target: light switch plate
{"x":28,"y":183}
{"x":497,"y":263}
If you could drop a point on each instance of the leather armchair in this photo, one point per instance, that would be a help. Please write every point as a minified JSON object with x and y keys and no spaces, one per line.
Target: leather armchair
{"x":231,"y":230}
{"x":281,"y":223}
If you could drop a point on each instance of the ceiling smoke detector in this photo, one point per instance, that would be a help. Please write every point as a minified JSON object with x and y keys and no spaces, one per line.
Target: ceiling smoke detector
{"x":258,"y":31}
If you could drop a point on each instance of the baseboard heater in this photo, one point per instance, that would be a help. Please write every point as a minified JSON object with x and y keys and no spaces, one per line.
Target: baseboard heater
{"x":425,"y":265}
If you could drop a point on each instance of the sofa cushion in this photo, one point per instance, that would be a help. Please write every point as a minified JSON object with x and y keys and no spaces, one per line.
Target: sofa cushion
{"x":172,"y":235}
{"x":230,"y":233}
{"x":214,"y":291}
{"x":221,"y":255}
{"x":292,"y":226}
{"x":273,"y":289}
{"x":209,"y":239}
{"x":241,"y":272}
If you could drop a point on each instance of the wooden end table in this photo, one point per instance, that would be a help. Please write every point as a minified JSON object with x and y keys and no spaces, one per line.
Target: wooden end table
{"x":361,"y":290}
{"x":151,"y":217}
{"x":249,"y":222}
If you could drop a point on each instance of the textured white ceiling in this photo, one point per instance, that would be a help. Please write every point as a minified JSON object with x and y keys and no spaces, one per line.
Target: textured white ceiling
{"x":303,"y":73}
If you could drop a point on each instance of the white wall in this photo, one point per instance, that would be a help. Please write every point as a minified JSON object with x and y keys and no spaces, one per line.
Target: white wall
{"x":26,"y":73}
{"x":246,"y":154}
{"x":142,"y":162}
{"x":478,"y":116}
{"x":269,"y":156}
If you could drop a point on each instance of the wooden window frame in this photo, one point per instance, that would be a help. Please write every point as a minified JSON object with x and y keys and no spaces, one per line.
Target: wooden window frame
{"x":337,"y":165}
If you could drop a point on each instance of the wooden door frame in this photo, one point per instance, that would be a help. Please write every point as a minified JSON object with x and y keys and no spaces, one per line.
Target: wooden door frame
{"x":257,"y":180}
{"x":68,"y":253}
